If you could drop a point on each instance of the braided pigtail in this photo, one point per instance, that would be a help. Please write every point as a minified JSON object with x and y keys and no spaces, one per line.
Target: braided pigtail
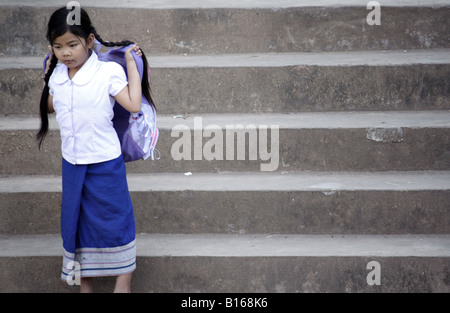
{"x":146,"y":91}
{"x":43,"y":106}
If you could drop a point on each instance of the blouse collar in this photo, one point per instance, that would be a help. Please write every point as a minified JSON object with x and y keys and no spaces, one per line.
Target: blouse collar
{"x":84,"y":74}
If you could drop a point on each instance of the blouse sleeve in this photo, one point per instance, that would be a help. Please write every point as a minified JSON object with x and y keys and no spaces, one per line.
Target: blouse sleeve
{"x":50,"y":86}
{"x":117,"y":79}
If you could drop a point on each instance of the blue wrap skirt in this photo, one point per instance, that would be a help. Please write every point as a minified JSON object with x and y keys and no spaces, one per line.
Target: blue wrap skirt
{"x":97,"y":220}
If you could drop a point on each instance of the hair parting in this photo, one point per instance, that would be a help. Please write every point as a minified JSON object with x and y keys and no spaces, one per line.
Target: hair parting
{"x":57,"y":26}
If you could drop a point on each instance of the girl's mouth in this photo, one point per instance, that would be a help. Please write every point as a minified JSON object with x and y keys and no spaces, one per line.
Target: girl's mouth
{"x":68,"y":62}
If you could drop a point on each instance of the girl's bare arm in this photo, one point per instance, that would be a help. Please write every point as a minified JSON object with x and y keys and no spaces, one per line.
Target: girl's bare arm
{"x":50,"y":104}
{"x":130,"y":97}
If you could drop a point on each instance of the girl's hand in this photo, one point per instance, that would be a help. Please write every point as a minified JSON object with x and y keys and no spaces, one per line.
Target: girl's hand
{"x":136,"y":49}
{"x":131,"y":95}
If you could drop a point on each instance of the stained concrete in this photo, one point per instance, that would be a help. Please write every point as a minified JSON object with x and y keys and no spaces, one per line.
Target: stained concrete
{"x":317,"y":141}
{"x":256,"y":263}
{"x":240,"y":30}
{"x":262,"y":245}
{"x":329,"y":210}
{"x":281,"y":82}
{"x":259,"y":181}
{"x":214,"y":4}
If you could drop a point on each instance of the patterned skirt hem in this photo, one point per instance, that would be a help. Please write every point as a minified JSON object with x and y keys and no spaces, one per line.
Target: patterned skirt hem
{"x":97,"y":262}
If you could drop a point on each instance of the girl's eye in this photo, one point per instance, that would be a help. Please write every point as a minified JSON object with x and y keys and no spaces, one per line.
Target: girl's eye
{"x":73,"y":45}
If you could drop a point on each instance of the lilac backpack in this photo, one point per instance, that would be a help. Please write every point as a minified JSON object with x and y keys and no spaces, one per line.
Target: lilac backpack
{"x":137,"y":132}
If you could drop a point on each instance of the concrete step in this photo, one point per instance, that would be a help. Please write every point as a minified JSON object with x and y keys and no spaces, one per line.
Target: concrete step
{"x":367,"y":182}
{"x":244,"y":203}
{"x":204,"y":27}
{"x":321,"y":141}
{"x":238,"y":4}
{"x":249,"y":263}
{"x":282,"y":82}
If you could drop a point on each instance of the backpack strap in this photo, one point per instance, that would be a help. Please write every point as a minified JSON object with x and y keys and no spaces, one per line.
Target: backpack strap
{"x":98,"y":45}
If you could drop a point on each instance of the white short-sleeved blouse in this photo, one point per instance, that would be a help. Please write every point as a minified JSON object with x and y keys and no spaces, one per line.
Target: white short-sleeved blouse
{"x":84,"y":110}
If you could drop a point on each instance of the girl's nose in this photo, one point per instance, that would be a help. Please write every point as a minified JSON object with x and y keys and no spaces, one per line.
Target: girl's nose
{"x":66,"y":52}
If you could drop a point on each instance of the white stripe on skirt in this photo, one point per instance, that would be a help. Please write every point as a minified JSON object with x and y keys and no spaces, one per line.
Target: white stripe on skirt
{"x":94,"y":262}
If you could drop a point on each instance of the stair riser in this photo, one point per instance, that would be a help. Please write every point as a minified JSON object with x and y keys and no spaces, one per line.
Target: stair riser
{"x":245,"y":212}
{"x":296,"y":149}
{"x":301,"y":88}
{"x":243,"y":275}
{"x":267,"y":89}
{"x":300,"y":212}
{"x":203,"y":31}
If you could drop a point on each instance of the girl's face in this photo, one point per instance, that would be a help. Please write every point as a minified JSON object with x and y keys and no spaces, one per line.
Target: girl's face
{"x":72,"y":50}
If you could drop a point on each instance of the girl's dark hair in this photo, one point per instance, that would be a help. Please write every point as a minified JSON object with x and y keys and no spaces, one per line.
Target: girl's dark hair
{"x":57,"y":26}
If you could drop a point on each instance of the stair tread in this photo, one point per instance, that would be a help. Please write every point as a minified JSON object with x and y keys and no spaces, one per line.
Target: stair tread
{"x":242,"y":4}
{"x":251,"y":245}
{"x":303,"y":120}
{"x":255,"y":181}
{"x":339,"y":58}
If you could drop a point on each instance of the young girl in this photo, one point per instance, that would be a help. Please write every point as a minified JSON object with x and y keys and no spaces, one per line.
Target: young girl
{"x":97,"y":220}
